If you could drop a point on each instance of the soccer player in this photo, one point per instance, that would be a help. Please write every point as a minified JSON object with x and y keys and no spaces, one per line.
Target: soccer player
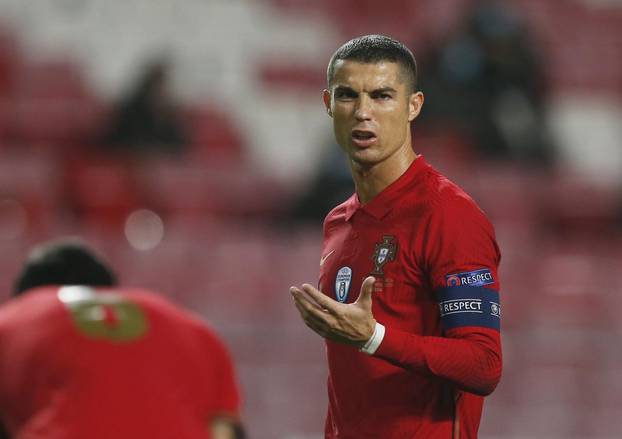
{"x":414,"y":353}
{"x":81,"y":357}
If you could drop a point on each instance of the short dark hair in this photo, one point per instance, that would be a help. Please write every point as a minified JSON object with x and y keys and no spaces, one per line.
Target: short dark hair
{"x":64,"y":262}
{"x":373,"y":49}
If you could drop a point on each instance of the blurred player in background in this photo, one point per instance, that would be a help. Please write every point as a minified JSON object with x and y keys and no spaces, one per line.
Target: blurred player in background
{"x":415,"y":353}
{"x":83,"y":358}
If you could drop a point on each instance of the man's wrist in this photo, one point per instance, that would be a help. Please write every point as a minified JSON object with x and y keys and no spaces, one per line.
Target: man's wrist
{"x":373,"y":343}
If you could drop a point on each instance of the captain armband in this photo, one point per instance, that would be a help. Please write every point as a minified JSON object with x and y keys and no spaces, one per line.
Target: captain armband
{"x":469,"y":306}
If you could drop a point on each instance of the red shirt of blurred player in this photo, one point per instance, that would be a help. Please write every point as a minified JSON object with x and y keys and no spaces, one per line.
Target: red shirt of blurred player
{"x":427,"y":325}
{"x":78,"y":362}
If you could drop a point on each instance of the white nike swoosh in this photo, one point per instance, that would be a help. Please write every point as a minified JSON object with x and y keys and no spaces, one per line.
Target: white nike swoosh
{"x":323,"y":258}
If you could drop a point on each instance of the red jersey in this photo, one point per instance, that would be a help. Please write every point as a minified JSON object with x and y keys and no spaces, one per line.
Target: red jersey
{"x":81,"y":363}
{"x":434,"y":256}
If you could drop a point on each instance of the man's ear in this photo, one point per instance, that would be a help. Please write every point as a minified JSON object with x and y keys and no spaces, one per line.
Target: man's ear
{"x":326,"y":99}
{"x":415,"y":103}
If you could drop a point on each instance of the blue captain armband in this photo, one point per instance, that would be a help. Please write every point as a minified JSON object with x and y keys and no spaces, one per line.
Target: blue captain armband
{"x":469,"y":306}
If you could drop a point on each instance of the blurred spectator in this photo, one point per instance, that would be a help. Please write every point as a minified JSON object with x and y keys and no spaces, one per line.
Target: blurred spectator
{"x":147,"y":119}
{"x":487,"y":81}
{"x":331,"y":185}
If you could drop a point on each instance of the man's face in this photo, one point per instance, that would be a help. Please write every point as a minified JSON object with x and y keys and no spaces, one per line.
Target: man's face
{"x":372,"y":107}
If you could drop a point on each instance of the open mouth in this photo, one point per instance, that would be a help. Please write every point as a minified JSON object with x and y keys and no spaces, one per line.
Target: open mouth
{"x":363,"y":138}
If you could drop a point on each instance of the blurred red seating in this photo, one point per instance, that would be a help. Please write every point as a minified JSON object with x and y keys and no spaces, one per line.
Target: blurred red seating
{"x":51,"y":80}
{"x":573,"y":206}
{"x":50,"y":104}
{"x":225,"y":188}
{"x":356,"y":17}
{"x":292,"y":77}
{"x":10,"y":60}
{"x":571,"y":55}
{"x":58,"y":124}
{"x":447,"y":150}
{"x":506,"y":192}
{"x":213,"y":134}
{"x":29,"y":189}
{"x":102,"y":190}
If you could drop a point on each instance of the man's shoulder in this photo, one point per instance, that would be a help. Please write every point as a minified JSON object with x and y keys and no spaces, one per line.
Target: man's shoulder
{"x":445,"y":195}
{"x":339,"y":212}
{"x":33,"y":308}
{"x":30,"y":302}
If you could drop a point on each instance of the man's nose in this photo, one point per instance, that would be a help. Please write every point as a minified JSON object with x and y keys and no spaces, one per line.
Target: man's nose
{"x":363,"y":107}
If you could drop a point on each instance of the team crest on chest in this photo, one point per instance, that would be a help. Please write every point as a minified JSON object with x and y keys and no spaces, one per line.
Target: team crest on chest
{"x":385,"y":251}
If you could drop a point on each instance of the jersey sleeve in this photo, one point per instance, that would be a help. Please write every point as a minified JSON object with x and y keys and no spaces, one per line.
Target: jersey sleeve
{"x":461,"y":258}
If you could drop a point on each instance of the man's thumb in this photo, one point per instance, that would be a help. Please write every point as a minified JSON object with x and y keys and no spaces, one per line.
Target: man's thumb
{"x":367,"y":288}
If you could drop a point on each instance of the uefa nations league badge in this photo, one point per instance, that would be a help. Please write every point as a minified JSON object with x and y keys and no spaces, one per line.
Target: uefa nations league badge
{"x":342,"y":283}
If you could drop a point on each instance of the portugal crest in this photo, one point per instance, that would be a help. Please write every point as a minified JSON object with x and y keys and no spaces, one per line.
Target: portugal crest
{"x":385,"y":252}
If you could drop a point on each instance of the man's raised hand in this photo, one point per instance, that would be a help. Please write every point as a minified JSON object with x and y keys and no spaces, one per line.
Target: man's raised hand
{"x":351,"y":323}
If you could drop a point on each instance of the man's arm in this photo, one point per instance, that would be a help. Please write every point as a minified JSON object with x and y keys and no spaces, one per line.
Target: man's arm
{"x":469,"y":356}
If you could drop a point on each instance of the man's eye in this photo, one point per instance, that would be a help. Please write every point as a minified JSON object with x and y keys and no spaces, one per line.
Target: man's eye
{"x":384,"y":96}
{"x":345,"y":95}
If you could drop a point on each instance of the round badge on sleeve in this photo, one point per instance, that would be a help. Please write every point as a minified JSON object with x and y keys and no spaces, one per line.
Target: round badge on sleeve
{"x":342,"y":283}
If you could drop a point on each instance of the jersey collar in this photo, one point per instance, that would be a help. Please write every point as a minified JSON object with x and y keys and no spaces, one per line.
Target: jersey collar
{"x":385,"y":201}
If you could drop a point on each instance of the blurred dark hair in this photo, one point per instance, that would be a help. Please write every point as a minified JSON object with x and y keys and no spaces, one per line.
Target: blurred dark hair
{"x":374,"y":49}
{"x":63,"y":262}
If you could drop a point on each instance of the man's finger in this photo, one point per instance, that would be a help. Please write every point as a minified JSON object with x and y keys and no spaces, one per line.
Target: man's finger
{"x":297,"y":292}
{"x":320,"y":298}
{"x":310,"y":308}
{"x":367,"y":288}
{"x":314,"y":318}
{"x":312,"y":322}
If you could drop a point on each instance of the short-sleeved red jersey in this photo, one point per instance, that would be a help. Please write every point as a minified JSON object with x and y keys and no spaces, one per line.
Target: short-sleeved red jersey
{"x":82,"y":363}
{"x":434,"y":256}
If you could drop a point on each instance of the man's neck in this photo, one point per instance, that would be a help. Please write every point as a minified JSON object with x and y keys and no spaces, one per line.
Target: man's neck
{"x":370,"y":181}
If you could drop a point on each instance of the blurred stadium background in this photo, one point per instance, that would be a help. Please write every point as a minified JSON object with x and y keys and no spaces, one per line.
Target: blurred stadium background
{"x":216,"y":222}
